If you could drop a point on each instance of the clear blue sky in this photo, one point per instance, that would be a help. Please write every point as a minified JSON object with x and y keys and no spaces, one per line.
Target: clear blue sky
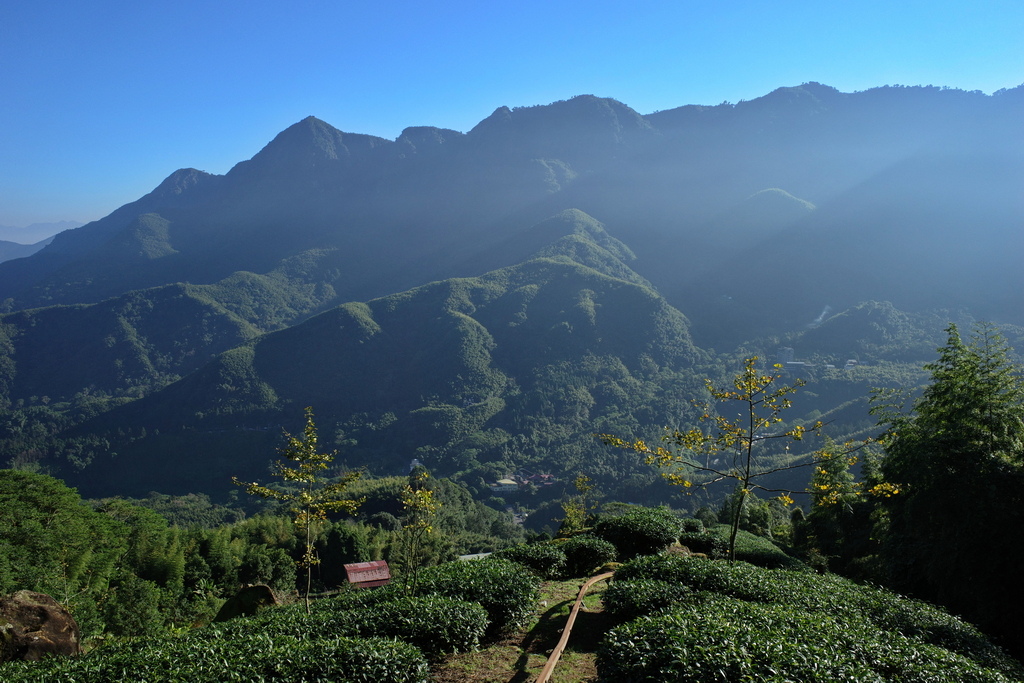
{"x":101,"y":100}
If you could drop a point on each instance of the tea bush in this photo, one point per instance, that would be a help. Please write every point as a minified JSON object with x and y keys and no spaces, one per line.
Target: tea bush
{"x":691,"y":525}
{"x":626,"y":600}
{"x":505,"y":591}
{"x":724,"y":639}
{"x":435,"y":624}
{"x":584,"y":553}
{"x":760,"y":551}
{"x":641,"y":531}
{"x":546,"y":560}
{"x":261,"y":657}
{"x":706,"y":542}
{"x":850,"y":605}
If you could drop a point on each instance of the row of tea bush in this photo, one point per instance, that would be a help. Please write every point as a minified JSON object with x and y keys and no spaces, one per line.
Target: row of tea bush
{"x":383,"y":635}
{"x":698,"y":620}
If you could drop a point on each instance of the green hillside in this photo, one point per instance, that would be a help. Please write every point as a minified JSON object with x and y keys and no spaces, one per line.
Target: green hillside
{"x":480,"y":376}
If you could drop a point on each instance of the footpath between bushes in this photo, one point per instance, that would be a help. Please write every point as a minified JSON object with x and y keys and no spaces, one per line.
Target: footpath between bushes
{"x":521,"y":657}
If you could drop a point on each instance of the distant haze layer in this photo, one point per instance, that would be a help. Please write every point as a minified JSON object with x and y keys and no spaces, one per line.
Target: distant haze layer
{"x":37,"y":232}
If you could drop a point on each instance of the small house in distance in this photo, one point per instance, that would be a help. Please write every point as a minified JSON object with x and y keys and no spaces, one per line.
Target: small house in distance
{"x":505,"y":486}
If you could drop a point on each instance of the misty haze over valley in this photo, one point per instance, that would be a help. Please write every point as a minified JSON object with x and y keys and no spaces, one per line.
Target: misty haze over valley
{"x":494,"y":295}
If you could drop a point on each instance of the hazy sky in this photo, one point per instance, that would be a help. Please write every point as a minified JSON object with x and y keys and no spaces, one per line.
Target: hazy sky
{"x":101,"y":100}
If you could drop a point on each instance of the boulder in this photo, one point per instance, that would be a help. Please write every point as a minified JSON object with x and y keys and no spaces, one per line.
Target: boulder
{"x":34,"y":625}
{"x":246,"y":602}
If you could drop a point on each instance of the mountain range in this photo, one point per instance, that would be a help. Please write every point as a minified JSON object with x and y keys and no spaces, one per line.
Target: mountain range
{"x":486,"y":301}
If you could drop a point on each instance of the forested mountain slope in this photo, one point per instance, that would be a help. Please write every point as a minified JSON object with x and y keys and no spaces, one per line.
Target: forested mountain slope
{"x":483,"y":376}
{"x":460,"y":297}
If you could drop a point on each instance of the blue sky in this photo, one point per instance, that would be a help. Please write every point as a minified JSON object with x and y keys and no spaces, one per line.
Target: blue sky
{"x":101,"y":100}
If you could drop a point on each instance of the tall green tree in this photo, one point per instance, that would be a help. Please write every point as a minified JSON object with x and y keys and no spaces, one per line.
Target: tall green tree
{"x":310,"y":493}
{"x":52,"y":542}
{"x":954,"y":464}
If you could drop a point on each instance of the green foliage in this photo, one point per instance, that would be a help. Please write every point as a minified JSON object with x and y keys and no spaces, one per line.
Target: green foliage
{"x":545,"y":560}
{"x":735,"y":442}
{"x":691,"y":525}
{"x":952,"y":490}
{"x":463,"y":525}
{"x":810,"y":596}
{"x":315,"y":497}
{"x":121,"y":568}
{"x":576,"y":507}
{"x":706,"y":542}
{"x":500,"y":586}
{"x":641,"y":531}
{"x":435,"y":624}
{"x":51,"y":542}
{"x":720,"y":639}
{"x":837,"y":530}
{"x":752,"y":548}
{"x":420,"y":508}
{"x":133,"y":607}
{"x":193,"y":509}
{"x":584,"y":553}
{"x":628,"y":599}
{"x":200,"y":658}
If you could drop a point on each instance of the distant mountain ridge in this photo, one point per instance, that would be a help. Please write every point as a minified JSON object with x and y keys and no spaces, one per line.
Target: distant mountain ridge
{"x":13,"y":250}
{"x":487,"y":300}
{"x":432,"y":193}
{"x":36,"y":232}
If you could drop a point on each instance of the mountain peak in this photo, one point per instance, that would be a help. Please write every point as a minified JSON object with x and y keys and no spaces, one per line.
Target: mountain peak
{"x":307,"y":145}
{"x":182,"y":180}
{"x":584,"y":111}
{"x":809,"y":97}
{"x":582,"y":131}
{"x":427,"y":138}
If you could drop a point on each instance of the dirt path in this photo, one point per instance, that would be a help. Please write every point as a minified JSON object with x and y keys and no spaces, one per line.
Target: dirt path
{"x":521,"y":657}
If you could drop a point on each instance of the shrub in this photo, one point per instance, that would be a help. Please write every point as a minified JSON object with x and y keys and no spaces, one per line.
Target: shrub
{"x":710,"y":544}
{"x":763,"y":552}
{"x":626,"y":600}
{"x":724,"y":639}
{"x":436,"y":625}
{"x":691,"y":525}
{"x":259,"y":657}
{"x":546,"y":560}
{"x":641,"y":531}
{"x":827,"y":596}
{"x":501,"y":587}
{"x":358,"y":659}
{"x":134,"y":607}
{"x":584,"y":553}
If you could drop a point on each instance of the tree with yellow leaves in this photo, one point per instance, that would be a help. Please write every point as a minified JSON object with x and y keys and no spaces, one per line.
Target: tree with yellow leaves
{"x":420,"y":507}
{"x":731,"y":448}
{"x":309,"y":491}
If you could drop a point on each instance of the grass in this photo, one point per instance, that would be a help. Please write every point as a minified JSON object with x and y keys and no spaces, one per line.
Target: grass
{"x":520,"y":657}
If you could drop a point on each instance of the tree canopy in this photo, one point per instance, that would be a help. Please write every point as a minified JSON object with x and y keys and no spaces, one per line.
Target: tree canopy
{"x":953,"y":522}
